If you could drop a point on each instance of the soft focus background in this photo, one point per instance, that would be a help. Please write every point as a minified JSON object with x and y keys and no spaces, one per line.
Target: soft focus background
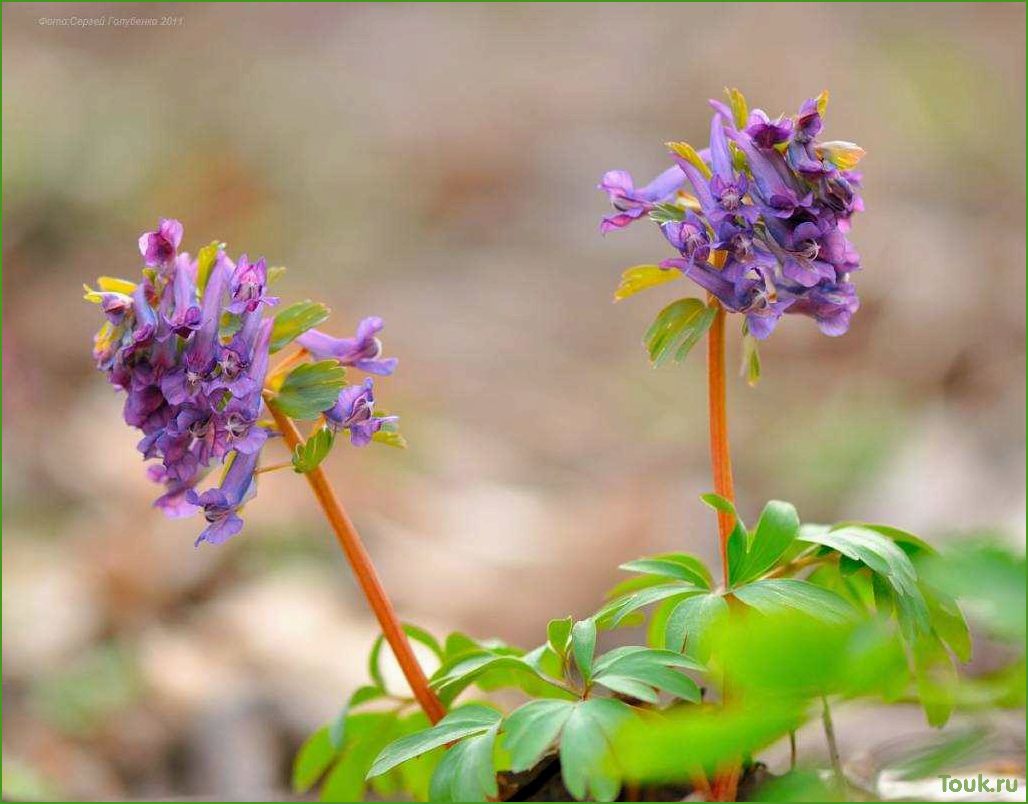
{"x":436,"y":165}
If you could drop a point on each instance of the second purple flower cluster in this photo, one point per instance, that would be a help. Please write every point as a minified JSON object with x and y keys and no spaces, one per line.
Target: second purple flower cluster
{"x":764,"y":228}
{"x":190,"y":347}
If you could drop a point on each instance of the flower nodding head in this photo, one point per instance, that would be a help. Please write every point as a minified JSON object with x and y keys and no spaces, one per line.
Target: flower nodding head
{"x":159,"y":246}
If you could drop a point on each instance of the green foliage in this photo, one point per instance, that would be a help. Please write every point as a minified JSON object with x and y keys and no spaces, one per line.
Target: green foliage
{"x":310,"y":388}
{"x":644,"y":672}
{"x":308,"y":455}
{"x":771,"y":595}
{"x":677,"y":329}
{"x":294,"y":320}
{"x":465,"y":721}
{"x":642,"y":277}
{"x":583,"y":646}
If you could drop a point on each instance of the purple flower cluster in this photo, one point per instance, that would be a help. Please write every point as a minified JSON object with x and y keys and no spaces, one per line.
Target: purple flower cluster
{"x":764,"y":228}
{"x":190,"y":346}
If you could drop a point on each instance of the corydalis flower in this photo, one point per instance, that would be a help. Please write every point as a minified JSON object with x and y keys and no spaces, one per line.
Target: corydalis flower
{"x":248,"y":286}
{"x":354,"y":411}
{"x":221,"y":505}
{"x":630,"y":203}
{"x":189,"y":345}
{"x":159,"y":246}
{"x":769,"y":236}
{"x":362,"y":352}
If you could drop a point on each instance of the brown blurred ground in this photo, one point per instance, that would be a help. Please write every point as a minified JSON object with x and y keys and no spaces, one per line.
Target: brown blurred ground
{"x":436,"y":165}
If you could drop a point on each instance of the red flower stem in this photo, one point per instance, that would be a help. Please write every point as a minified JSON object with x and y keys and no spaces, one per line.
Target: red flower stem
{"x":364,"y":570}
{"x":720,"y":459}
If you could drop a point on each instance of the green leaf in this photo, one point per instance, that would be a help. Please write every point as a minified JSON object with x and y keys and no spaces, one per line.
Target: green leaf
{"x":337,"y":730}
{"x":205,"y":259}
{"x":588,"y":767}
{"x":676,"y":329}
{"x":641,"y":277}
{"x":459,"y":723}
{"x":583,"y":646}
{"x":466,"y":772}
{"x":680,"y":566}
{"x":531,"y":730}
{"x":366,"y":734}
{"x":295,"y":320}
{"x":615,"y":612}
{"x":624,"y":669}
{"x":750,"y":361}
{"x":948,"y":621}
{"x":690,"y":620}
{"x":490,"y":670}
{"x":308,"y":455}
{"x":738,"y":539}
{"x":775,"y":532}
{"x":558,"y":635}
{"x":774,"y":595}
{"x":884,"y":557}
{"x":936,"y":679}
{"x":310,"y":389}
{"x":312,"y":760}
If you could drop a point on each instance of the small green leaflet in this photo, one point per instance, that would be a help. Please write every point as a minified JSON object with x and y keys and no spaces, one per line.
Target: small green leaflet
{"x":884,"y":557}
{"x":583,"y":646}
{"x":750,"y":361}
{"x":680,"y":566}
{"x":467,"y":771}
{"x":532,"y":729}
{"x":308,"y":455}
{"x":587,"y":764}
{"x":310,"y":388}
{"x":641,"y":277}
{"x":775,"y":532}
{"x":583,"y":730}
{"x":644,"y":672}
{"x":689,"y":621}
{"x":465,"y":721}
{"x":312,"y":760}
{"x":295,"y":320}
{"x":770,"y":596}
{"x":676,"y":329}
{"x":558,"y":636}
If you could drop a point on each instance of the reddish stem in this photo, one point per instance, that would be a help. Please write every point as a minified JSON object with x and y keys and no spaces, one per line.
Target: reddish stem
{"x":364,"y":570}
{"x":720,"y":460}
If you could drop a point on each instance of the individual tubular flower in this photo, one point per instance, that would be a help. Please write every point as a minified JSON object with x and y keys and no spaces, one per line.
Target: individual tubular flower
{"x":354,"y":412}
{"x":775,"y":206}
{"x":159,"y":246}
{"x":630,"y":203}
{"x":221,"y":505}
{"x":247,"y":290}
{"x":363,"y":352}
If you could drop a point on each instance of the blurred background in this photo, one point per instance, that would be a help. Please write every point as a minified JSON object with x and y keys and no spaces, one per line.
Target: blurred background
{"x":436,"y":165}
